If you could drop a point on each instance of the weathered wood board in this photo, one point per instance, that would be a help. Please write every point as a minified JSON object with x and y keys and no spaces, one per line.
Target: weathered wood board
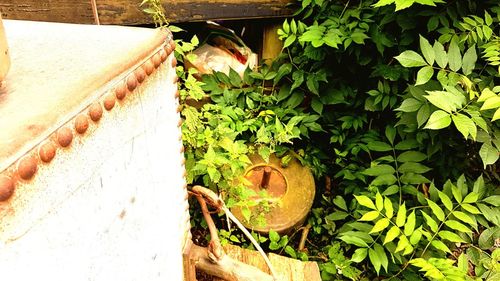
{"x":128,"y":12}
{"x":287,"y":269}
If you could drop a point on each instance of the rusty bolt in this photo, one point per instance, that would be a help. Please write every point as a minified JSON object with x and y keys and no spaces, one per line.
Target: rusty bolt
{"x":6,"y":188}
{"x":148,"y":67}
{"x":121,"y":91}
{"x":156,"y":60}
{"x":64,"y":136}
{"x":140,"y":74}
{"x":27,"y":167}
{"x":95,"y":112}
{"x":109,"y":102}
{"x":131,"y":82}
{"x":81,"y":124}
{"x":266,"y":176}
{"x":47,"y":152}
{"x":172,"y":44}
{"x":163,"y":55}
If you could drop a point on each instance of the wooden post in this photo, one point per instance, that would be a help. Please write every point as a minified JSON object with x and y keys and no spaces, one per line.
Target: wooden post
{"x":271,"y":45}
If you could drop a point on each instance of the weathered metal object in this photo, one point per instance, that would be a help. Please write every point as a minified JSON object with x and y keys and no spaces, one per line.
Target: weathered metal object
{"x":290,"y":190}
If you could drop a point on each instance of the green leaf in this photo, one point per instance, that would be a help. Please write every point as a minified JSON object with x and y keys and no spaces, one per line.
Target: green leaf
{"x":424,"y":75}
{"x":423,"y":114}
{"x":457,"y":194}
{"x":389,"y":209}
{"x":298,"y":79}
{"x":412,"y":167}
{"x":489,"y":154}
{"x":411,"y":156}
{"x":401,"y":216}
{"x":446,"y":200}
{"x":438,"y":120}
{"x":410,"y":224}
{"x":379,"y":170}
{"x":410,"y":105}
{"x":486,"y":93}
{"x":359,"y":255}
{"x":464,"y":217}
{"x":390,"y":133}
{"x":450,"y":236}
{"x":391,"y":234}
{"x":469,"y":60}
{"x":353,"y":240}
{"x":379,"y":250}
{"x":454,"y":56}
{"x":380,"y":225}
{"x":436,"y":210}
{"x":410,"y":59}
{"x":430,"y":222}
{"x":369,"y":216}
{"x":440,"y":54}
{"x":427,"y":50}
{"x":274,"y":236}
{"x":363,"y":200}
{"x":440,"y":246}
{"x":340,"y":202}
{"x":488,"y":237}
{"x":446,"y":100}
{"x":465,"y":125}
{"x":493,"y":200}
{"x":374,"y":259}
{"x":317,"y":105}
{"x":453,"y":224}
{"x":387,"y":179}
{"x":463,"y":263}
{"x":379,"y":146}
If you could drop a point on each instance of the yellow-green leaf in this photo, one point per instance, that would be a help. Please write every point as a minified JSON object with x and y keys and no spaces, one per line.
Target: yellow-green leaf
{"x":438,"y":212}
{"x":379,"y":201}
{"x":410,"y":59}
{"x":389,"y":210}
{"x":440,"y":246}
{"x":471,"y":209}
{"x":465,"y":125}
{"x":365,"y":201}
{"x":491,"y":103}
{"x":464,"y":217}
{"x":391,"y":234}
{"x":471,"y":198}
{"x":450,"y":236}
{"x":430,"y":222}
{"x":427,"y":50}
{"x":446,"y":200}
{"x":440,"y":53}
{"x":439,"y":119}
{"x":380,"y":225}
{"x":410,"y":224}
{"x":457,"y":226}
{"x":416,"y":236}
{"x":369,"y":216}
{"x":403,"y":242}
{"x":401,"y":216}
{"x":424,"y":75}
{"x":496,"y":116}
{"x":454,"y":56}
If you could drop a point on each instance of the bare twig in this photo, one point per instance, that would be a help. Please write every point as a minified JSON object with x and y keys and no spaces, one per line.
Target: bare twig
{"x":217,"y":202}
{"x":303,"y":238}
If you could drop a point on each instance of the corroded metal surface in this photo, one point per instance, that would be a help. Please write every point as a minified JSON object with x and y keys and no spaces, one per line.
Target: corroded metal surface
{"x":290,"y":190}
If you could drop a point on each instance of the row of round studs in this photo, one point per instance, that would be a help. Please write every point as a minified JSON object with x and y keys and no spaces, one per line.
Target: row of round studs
{"x":28,"y":165}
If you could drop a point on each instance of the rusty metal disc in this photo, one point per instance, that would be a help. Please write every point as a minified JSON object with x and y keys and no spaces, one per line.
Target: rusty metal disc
{"x":291,"y":190}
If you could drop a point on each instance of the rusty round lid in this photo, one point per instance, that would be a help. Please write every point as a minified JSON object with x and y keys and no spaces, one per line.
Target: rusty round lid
{"x":290,"y":190}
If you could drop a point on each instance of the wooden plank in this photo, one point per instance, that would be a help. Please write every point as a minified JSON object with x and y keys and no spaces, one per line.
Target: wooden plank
{"x":128,"y":12}
{"x":79,"y":11}
{"x":287,"y":269}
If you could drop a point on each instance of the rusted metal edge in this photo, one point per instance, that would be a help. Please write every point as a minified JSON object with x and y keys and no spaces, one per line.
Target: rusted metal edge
{"x":25,"y":168}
